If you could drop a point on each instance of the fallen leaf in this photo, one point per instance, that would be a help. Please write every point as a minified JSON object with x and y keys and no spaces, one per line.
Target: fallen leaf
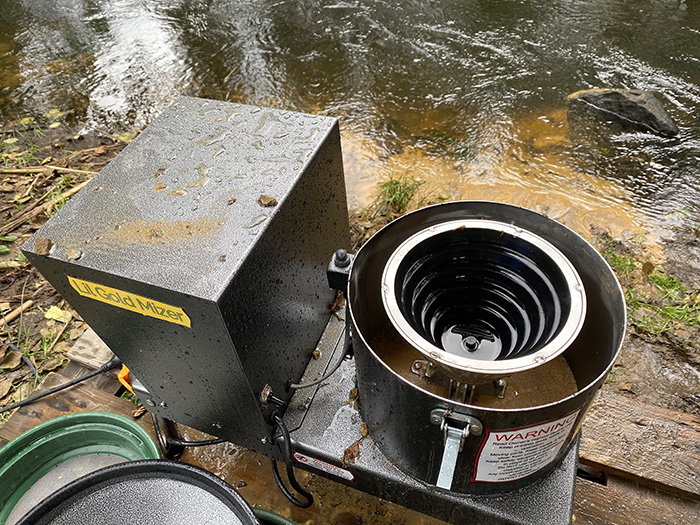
{"x":23,"y":391}
{"x":351,"y":453}
{"x":54,"y":125}
{"x":7,"y":400}
{"x":11,"y":361}
{"x":51,"y":363}
{"x":75,"y":333}
{"x":338,"y":303}
{"x":126,"y":137}
{"x":138,"y":412}
{"x":101,"y":150}
{"x":73,"y":255}
{"x":626,"y":386}
{"x":43,"y":245}
{"x":5,"y":387}
{"x":363,"y":430}
{"x":54,"y":113}
{"x":62,"y":347}
{"x":57,"y":314}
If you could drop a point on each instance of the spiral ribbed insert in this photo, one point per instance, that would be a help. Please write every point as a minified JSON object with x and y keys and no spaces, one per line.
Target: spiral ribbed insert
{"x":483,"y":291}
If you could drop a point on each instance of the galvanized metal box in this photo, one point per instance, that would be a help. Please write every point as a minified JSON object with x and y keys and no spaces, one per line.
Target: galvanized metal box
{"x":198,"y":255}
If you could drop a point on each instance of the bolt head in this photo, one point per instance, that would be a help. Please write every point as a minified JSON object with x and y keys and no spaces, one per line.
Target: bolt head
{"x":341,"y":258}
{"x":470,"y":343}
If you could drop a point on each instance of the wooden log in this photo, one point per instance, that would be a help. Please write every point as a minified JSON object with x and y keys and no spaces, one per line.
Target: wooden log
{"x":106,"y":382}
{"x":644,"y":443}
{"x":78,"y":398}
{"x":90,"y":351}
{"x":623,"y":502}
{"x":7,"y":319}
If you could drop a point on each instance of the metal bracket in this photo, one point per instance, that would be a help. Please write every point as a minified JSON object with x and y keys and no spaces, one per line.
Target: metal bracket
{"x":501,"y":385}
{"x":338,"y":271}
{"x":423,"y":368}
{"x":456,"y":427}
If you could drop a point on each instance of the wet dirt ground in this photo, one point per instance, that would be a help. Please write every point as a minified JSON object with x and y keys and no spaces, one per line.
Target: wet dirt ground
{"x":251,"y":475}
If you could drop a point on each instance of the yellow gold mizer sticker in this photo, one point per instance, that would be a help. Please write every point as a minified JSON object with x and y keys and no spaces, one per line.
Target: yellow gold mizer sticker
{"x":130,"y":301}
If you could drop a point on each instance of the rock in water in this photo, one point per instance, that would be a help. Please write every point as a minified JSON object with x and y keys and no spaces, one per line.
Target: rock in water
{"x":623,"y":109}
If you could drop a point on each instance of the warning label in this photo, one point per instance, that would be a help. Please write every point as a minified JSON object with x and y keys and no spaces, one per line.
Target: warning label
{"x":509,"y":455}
{"x":325,"y":467}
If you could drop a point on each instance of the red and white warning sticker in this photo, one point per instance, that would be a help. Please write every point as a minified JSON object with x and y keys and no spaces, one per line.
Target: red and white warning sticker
{"x":509,"y":455}
{"x":325,"y":467}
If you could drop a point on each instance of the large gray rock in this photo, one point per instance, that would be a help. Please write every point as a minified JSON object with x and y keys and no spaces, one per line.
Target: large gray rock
{"x":620,"y":110}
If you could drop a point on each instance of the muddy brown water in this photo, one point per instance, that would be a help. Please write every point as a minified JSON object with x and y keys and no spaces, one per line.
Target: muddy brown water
{"x":250,"y":473}
{"x":547,"y":383}
{"x":469,"y":96}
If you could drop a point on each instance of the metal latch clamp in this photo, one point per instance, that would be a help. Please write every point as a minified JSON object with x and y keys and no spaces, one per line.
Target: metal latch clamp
{"x":456,"y":427}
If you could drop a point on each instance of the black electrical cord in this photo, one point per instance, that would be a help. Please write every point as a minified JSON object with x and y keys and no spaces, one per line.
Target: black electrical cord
{"x":162,"y":441}
{"x":27,"y":361}
{"x":288,"y":458}
{"x":109,"y":365}
{"x":336,"y":366}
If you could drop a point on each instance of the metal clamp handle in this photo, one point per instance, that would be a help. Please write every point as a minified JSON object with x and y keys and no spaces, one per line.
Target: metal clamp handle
{"x":456,"y":428}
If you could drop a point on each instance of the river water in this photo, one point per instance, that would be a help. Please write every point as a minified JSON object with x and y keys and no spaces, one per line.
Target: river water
{"x":468,"y":95}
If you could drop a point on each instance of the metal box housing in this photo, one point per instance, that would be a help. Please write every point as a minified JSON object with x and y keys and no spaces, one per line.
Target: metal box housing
{"x":204,"y":287}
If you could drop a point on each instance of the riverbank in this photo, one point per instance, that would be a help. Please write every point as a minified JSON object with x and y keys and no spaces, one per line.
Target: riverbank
{"x":45,"y":161}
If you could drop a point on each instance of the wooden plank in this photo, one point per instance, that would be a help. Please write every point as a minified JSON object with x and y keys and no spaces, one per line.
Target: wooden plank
{"x":90,"y":351}
{"x":78,"y":398}
{"x":623,"y":502}
{"x":645,"y":443}
{"x":106,"y":382}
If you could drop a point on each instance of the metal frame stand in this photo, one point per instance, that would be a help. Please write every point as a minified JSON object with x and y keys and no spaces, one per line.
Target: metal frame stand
{"x":324,"y":422}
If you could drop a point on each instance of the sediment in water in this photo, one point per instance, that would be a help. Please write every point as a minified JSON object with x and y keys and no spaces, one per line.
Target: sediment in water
{"x":547,"y":383}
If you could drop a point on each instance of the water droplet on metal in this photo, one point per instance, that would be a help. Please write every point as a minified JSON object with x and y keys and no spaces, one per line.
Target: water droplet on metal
{"x":259,"y":219}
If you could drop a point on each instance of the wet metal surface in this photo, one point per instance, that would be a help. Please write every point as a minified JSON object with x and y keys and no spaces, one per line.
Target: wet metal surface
{"x":389,"y":404}
{"x":207,"y":295}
